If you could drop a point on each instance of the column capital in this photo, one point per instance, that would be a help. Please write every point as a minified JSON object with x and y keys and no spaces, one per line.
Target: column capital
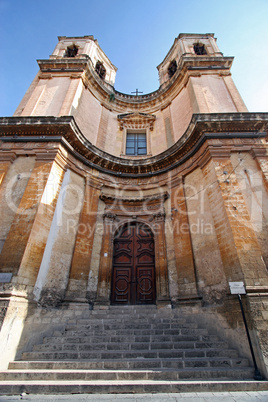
{"x":159,"y":217}
{"x":8,"y":157}
{"x":109,"y":217}
{"x":259,"y":152}
{"x":214,"y":153}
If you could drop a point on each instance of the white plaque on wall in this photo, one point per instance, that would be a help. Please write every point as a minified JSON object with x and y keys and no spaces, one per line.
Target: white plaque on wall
{"x":237,"y":288}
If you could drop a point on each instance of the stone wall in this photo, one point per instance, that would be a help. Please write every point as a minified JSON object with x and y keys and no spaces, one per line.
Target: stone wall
{"x":67,"y":186}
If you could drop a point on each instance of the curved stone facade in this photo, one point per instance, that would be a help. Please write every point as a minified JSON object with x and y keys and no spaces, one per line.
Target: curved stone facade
{"x":68,"y":183}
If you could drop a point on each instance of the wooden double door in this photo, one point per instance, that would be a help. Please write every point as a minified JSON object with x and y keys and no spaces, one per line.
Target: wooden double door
{"x":133,"y":277}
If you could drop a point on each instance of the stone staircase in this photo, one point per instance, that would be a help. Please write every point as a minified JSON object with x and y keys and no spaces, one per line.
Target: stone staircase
{"x":132,"y":349}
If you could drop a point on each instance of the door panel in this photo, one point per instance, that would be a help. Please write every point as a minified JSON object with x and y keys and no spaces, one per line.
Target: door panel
{"x":145,"y":285}
{"x":133,"y":279}
{"x":122,"y":284}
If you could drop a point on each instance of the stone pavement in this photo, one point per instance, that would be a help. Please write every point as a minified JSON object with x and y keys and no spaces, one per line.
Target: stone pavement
{"x":187,"y":397}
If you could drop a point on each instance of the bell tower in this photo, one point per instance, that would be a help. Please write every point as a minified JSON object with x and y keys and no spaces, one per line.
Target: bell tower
{"x":58,"y":86}
{"x":197,"y":59}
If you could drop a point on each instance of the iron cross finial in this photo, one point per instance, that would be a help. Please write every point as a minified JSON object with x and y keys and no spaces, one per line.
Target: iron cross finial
{"x":137,"y":92}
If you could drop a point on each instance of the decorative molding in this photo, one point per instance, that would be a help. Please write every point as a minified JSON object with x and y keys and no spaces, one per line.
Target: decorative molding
{"x":136,"y":120}
{"x":251,"y":128}
{"x":111,"y":198}
{"x":109,"y":217}
{"x":258,"y":153}
{"x":8,"y":157}
{"x":159,"y":217}
{"x":82,"y":67}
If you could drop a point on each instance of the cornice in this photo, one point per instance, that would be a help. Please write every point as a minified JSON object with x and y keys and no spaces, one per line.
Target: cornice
{"x":64,"y":130}
{"x":108,"y":198}
{"x":66,"y":64}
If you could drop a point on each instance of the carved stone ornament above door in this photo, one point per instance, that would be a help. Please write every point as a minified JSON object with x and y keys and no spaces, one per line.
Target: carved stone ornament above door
{"x":136,"y":120}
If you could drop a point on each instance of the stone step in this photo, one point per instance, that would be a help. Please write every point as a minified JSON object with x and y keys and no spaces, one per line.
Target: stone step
{"x":188,"y":353}
{"x":126,"y":386}
{"x":136,"y":307}
{"x":128,"y":325}
{"x":107,"y":364}
{"x":109,"y":354}
{"x":113,"y":375}
{"x":136,"y":345}
{"x":132,"y":310}
{"x":155,"y":320}
{"x":133,"y":313}
{"x":128,"y":332}
{"x":121,"y":345}
{"x":127,"y":312}
{"x":131,"y":339}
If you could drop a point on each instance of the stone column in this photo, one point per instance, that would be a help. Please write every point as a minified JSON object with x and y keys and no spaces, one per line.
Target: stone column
{"x":171,"y":257}
{"x":211,"y":280}
{"x":81,"y":262}
{"x":34,"y":98}
{"x":161,"y":269}
{"x":6,"y":160}
{"x":15,"y":173}
{"x":240,"y":250}
{"x":187,"y":286}
{"x":167,"y":118}
{"x":235,"y":95}
{"x":106,"y":258}
{"x":53,"y":275}
{"x":103,"y":126}
{"x":18,"y":235}
{"x":34,"y":250}
{"x":253,"y":185}
{"x":93,"y":277}
{"x":260,"y":155}
{"x":196,"y":93}
{"x":71,"y":97}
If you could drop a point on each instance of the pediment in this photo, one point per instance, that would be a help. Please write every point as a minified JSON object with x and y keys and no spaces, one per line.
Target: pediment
{"x":136,"y":120}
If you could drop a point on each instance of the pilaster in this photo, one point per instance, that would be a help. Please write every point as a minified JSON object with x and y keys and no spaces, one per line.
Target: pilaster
{"x":36,"y":244}
{"x":18,"y":235}
{"x":5,"y":162}
{"x":53,"y":274}
{"x":235,"y":95}
{"x":241,"y":253}
{"x":187,"y":287}
{"x":70,"y":97}
{"x":105,"y":271}
{"x":261,"y":157}
{"x":81,"y":262}
{"x":209,"y":269}
{"x":32,"y":102}
{"x":161,"y":268}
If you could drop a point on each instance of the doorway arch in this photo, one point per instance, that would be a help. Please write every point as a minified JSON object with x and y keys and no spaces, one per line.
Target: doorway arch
{"x":133,"y":273}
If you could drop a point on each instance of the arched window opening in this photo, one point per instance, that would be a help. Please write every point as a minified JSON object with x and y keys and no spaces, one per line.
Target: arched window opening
{"x":100,"y":70}
{"x":199,"y":49}
{"x":71,"y":51}
{"x":172,"y":68}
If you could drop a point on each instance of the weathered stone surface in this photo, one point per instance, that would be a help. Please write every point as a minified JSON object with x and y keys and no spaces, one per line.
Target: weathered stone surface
{"x":67,"y":187}
{"x":54,"y":270}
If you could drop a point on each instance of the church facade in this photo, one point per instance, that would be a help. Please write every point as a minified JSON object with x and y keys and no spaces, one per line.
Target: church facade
{"x":116,"y":199}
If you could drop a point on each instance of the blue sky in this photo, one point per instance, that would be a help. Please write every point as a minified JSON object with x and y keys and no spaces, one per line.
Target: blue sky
{"x":136,"y":35}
